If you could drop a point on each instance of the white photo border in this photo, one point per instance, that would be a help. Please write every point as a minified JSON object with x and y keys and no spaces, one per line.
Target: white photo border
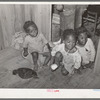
{"x":43,"y":93}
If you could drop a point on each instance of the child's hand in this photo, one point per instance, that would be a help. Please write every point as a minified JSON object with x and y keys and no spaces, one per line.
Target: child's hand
{"x":25,"y":53}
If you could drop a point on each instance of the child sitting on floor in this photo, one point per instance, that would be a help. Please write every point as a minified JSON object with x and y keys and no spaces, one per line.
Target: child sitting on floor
{"x":34,"y":44}
{"x":66,"y":54}
{"x":85,"y":47}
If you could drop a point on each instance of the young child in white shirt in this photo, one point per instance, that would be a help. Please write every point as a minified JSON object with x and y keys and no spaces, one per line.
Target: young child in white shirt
{"x":66,"y":54}
{"x":85,"y":47}
{"x":34,"y":44}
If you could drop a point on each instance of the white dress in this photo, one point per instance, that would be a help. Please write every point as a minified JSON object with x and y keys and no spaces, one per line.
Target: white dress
{"x":70,"y":60}
{"x":35,"y":43}
{"x":87,"y":52}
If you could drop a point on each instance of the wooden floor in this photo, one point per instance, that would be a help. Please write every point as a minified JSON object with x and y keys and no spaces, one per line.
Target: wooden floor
{"x":11,"y":59}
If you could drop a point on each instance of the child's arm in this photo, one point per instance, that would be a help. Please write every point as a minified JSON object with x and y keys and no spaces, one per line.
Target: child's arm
{"x":92,"y":57}
{"x":49,"y":48}
{"x":45,"y":42}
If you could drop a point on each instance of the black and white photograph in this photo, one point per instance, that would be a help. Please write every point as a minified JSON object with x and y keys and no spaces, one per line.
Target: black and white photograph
{"x":50,"y":46}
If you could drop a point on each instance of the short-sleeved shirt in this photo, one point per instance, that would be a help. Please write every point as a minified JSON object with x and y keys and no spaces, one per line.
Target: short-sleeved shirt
{"x":35,"y":43}
{"x":70,"y":60}
{"x":87,"y":52}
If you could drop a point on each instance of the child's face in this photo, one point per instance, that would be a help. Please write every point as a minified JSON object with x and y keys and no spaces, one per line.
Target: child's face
{"x":70,"y":42}
{"x":59,"y":7}
{"x":82,"y":39}
{"x":32,"y":31}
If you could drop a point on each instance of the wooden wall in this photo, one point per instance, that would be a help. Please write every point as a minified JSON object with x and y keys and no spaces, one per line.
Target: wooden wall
{"x":12,"y":18}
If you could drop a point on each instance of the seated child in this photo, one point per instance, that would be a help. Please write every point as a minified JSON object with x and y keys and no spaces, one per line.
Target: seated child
{"x":66,"y":54}
{"x":85,"y":47}
{"x":34,"y":43}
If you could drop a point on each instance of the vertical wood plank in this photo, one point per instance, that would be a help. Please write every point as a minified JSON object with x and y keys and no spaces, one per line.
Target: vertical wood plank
{"x":19,"y":19}
{"x":27,"y":9}
{"x":97,"y":61}
{"x":36,"y":15}
{"x":46,"y":21}
{"x":1,"y":37}
{"x":7,"y":20}
{"x":41,"y":15}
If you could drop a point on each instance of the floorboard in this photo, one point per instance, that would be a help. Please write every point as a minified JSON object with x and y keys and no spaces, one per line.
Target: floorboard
{"x":47,"y":79}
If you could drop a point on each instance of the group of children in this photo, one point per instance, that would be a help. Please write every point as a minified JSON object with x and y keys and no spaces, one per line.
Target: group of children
{"x":73,"y":51}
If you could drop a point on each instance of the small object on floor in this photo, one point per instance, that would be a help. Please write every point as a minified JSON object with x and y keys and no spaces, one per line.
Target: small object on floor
{"x":54,"y":67}
{"x":25,"y":73}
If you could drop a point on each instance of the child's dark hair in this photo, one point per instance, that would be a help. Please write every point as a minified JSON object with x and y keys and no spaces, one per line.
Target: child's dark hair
{"x":69,"y":32}
{"x":80,"y":30}
{"x":28,"y":24}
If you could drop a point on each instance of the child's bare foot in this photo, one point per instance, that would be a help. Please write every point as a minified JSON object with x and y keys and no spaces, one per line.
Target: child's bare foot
{"x":84,"y":67}
{"x":64,"y":71}
{"x":77,"y":71}
{"x":44,"y":65}
{"x":91,"y":67}
{"x":36,"y":67}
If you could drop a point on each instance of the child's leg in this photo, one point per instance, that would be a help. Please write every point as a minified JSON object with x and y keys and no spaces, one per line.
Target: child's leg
{"x":35,"y":59}
{"x":52,"y":60}
{"x":58,"y":58}
{"x":48,"y":57}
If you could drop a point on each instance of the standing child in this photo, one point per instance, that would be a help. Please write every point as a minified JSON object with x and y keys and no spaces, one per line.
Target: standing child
{"x":57,"y":9}
{"x":34,"y":44}
{"x":66,"y":54}
{"x":85,"y":47}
